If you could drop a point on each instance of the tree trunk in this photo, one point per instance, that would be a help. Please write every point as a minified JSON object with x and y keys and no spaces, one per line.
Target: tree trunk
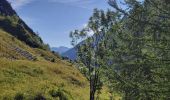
{"x":92,"y":89}
{"x":92,"y":95}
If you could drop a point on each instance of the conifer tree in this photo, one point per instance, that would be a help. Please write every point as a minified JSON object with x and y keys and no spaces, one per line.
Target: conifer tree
{"x":140,"y":68}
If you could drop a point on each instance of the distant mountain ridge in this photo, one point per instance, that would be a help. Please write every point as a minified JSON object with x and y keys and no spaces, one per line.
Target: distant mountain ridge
{"x":60,"y":49}
{"x":71,"y":54}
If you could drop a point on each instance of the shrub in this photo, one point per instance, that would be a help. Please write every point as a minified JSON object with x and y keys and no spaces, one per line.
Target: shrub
{"x":52,"y":60}
{"x":35,"y":59}
{"x":39,"y":97}
{"x":19,"y":96}
{"x":13,"y":38}
{"x":6,"y":98}
{"x":61,"y":94}
{"x":38,"y":71}
{"x":54,"y":93}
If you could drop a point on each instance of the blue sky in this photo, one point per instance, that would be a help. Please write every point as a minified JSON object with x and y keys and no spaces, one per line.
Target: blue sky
{"x":54,"y":19}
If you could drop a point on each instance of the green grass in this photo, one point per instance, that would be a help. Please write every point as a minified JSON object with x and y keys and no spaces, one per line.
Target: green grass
{"x":29,"y":79}
{"x":33,"y":78}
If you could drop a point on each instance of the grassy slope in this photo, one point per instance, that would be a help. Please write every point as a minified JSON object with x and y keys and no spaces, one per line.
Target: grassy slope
{"x":38,"y":77}
{"x":31,"y":78}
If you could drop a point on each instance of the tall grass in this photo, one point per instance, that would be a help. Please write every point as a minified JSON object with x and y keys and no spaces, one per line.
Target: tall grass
{"x":32,"y":78}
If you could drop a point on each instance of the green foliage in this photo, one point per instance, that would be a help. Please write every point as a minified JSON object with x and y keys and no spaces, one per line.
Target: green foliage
{"x":130,"y":48}
{"x":91,"y":51}
{"x":140,"y":58}
{"x":22,"y":78}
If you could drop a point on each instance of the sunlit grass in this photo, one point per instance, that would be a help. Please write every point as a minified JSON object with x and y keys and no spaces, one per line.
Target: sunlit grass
{"x":32,"y":78}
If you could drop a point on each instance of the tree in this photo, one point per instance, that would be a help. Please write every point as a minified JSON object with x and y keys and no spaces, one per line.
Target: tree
{"x":140,"y":58}
{"x":91,"y":51}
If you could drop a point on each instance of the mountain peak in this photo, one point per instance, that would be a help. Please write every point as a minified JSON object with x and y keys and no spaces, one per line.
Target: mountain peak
{"x":6,"y":9}
{"x":13,"y":24}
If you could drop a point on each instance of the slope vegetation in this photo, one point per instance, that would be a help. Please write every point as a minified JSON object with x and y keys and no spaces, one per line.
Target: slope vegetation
{"x":29,"y":80}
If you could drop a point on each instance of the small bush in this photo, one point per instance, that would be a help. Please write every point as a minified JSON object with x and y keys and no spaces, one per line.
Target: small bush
{"x":75,"y":81}
{"x":19,"y":96}
{"x":42,"y":55}
{"x":61,"y":94}
{"x":54,"y":93}
{"x":38,"y":71}
{"x":52,"y":60}
{"x":35,"y":59}
{"x":39,"y":97}
{"x":57,"y":71}
{"x":13,"y":38}
{"x":6,"y":98}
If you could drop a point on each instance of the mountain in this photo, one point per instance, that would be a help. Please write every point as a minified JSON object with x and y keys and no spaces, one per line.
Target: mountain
{"x":13,"y":24}
{"x":71,"y":54}
{"x":6,"y":9}
{"x":60,"y":49}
